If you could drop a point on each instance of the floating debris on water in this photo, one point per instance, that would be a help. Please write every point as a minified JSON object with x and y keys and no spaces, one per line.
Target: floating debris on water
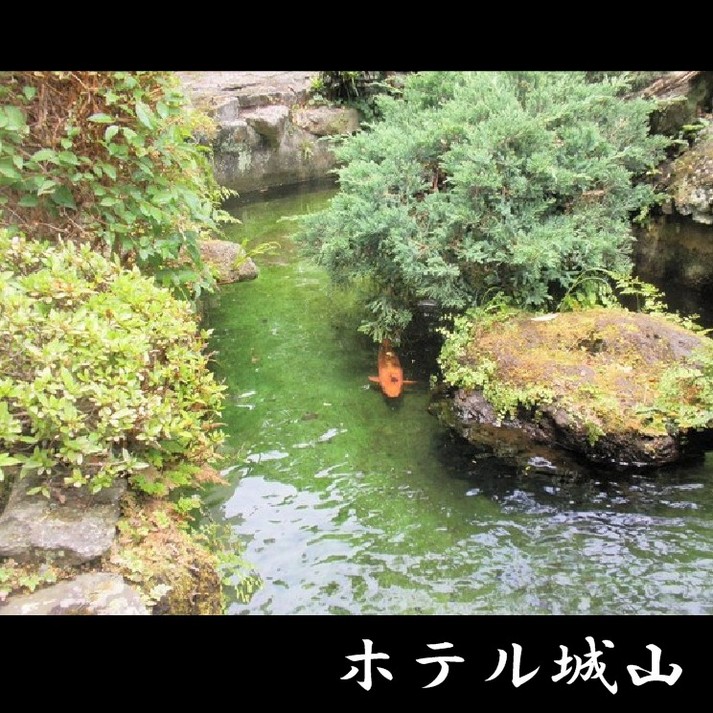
{"x":325,"y":472}
{"x":541,"y":464}
{"x":331,"y":433}
{"x":324,"y":438}
{"x":227,"y":471}
{"x":268,"y":455}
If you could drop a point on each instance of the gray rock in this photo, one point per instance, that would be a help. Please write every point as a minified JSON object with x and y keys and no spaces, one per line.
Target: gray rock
{"x":225,"y":111}
{"x":326,"y":120}
{"x":229,"y":260}
{"x":676,"y":254}
{"x":300,"y":157}
{"x":680,"y":97}
{"x":77,"y":530}
{"x":268,"y":121}
{"x":265,"y":138}
{"x":247,"y":89}
{"x":692,"y":180}
{"x":94,"y":593}
{"x":236,"y":136}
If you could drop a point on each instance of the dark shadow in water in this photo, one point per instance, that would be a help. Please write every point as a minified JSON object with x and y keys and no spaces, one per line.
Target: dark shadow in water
{"x":233,"y":204}
{"x":395,"y":404}
{"x":536,"y":486}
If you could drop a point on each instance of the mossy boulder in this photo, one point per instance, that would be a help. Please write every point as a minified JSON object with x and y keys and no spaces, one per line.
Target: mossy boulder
{"x":327,"y":120}
{"x":681,"y":98}
{"x":620,"y":388}
{"x":228,"y":260}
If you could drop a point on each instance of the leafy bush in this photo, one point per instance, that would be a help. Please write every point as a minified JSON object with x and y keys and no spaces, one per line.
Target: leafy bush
{"x":109,"y":158}
{"x":482,"y":182}
{"x":102,"y":373}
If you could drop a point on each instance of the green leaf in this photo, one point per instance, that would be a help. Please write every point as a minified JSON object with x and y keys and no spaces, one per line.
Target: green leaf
{"x":161,"y":197}
{"x":118,"y":150}
{"x":109,"y":170}
{"x":15,"y":117}
{"x":40,"y":489}
{"x":145,"y":115}
{"x":47,"y":186}
{"x":62,"y":196}
{"x":6,"y":459}
{"x":28,"y":202}
{"x":101,"y":118}
{"x":110,"y":132}
{"x":29,"y":93}
{"x":45,"y":155}
{"x":8,"y":170}
{"x":68,"y":158}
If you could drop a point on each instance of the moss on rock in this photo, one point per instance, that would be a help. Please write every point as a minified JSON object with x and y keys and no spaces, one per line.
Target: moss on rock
{"x":176,"y":573}
{"x":598,"y":381}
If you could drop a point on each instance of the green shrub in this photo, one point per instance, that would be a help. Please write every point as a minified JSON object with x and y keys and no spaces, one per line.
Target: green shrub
{"x":483,"y":182}
{"x":102,"y":373}
{"x":109,"y":158}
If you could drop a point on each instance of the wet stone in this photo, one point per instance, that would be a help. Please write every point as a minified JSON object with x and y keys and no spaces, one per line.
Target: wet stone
{"x":95,"y":593}
{"x":229,"y":260}
{"x":79,"y":529}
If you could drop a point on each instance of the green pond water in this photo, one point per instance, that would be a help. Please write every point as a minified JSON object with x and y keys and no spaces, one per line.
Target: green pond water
{"x":348,"y":503}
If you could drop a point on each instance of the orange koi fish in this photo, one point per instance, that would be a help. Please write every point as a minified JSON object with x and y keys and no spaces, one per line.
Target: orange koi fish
{"x":391,"y":375}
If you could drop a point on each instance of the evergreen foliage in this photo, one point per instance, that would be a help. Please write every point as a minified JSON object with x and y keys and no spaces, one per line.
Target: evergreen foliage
{"x":479,"y":183}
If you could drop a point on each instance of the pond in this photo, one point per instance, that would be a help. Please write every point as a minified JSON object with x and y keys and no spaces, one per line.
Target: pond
{"x":348,"y":503}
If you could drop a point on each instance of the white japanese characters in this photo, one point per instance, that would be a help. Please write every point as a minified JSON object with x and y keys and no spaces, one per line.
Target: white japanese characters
{"x":571,"y":667}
